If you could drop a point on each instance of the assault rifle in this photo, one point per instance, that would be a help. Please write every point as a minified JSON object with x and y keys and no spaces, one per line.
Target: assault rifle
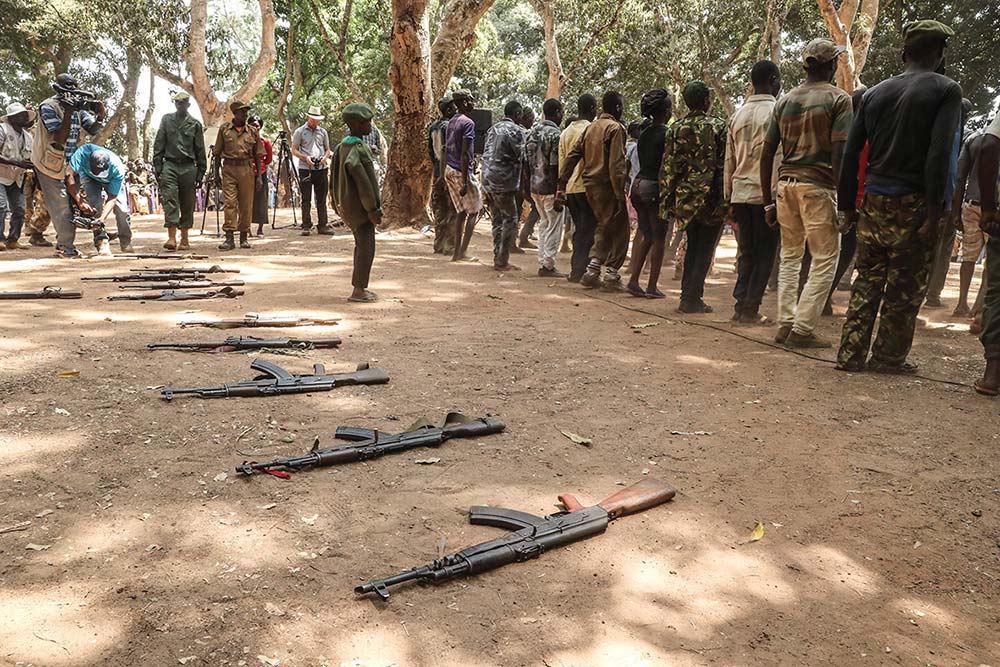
{"x":530,"y":535}
{"x":142,"y":277}
{"x":253,"y":320}
{"x":44,"y":293}
{"x":215,"y":268}
{"x":183,"y":284}
{"x":371,"y":444}
{"x":159,"y":255}
{"x":174,"y":295}
{"x":275,"y":380}
{"x":236,"y":343}
{"x":98,"y":228}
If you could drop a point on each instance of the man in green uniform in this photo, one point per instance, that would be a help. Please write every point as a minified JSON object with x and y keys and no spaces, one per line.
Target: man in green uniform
{"x":691,"y":189}
{"x":354,"y":193}
{"x":179,"y":163}
{"x":989,"y":157}
{"x":239,"y":147}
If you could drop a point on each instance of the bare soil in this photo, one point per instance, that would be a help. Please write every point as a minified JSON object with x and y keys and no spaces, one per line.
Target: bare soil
{"x":879,"y":496}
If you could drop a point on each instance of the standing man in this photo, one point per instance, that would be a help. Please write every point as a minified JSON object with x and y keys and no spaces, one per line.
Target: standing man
{"x":179,"y":163}
{"x":55,"y":141}
{"x":101,"y":173}
{"x":909,"y":123}
{"x":989,"y":158}
{"x":441,"y":206}
{"x":601,"y":149}
{"x":529,"y":217}
{"x":463,"y":186}
{"x":354,"y":192}
{"x":380,"y":150}
{"x":810,"y":125}
{"x":311,"y":145}
{"x":502,"y":158}
{"x":541,"y":156}
{"x":15,"y":160}
{"x":584,"y":221}
{"x":691,"y":189}
{"x":758,"y":241}
{"x":966,"y":214}
{"x":239,"y":147}
{"x":260,"y":196}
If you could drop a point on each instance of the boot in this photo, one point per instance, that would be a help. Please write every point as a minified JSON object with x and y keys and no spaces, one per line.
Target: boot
{"x":184,"y":244}
{"x":229,"y":243}
{"x":244,"y":239}
{"x":171,"y":243}
{"x":36,"y":239}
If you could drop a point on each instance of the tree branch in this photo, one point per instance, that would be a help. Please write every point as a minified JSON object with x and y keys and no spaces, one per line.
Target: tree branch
{"x":593,"y":40}
{"x":339,"y":50}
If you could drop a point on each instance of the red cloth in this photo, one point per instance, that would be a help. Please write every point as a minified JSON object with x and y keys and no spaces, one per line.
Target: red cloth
{"x":266,"y":159}
{"x":862,"y":172}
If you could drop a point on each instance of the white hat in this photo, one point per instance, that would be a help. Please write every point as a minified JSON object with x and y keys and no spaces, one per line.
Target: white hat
{"x":315,"y":112}
{"x":15,"y":108}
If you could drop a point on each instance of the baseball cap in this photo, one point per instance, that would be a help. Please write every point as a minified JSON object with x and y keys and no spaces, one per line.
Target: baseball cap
{"x":100,"y":163}
{"x":820,"y":51}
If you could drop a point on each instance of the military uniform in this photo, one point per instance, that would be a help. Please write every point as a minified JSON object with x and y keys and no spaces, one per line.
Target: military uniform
{"x":691,"y":192}
{"x":441,"y":207}
{"x":180,"y":164}
{"x":239,"y":148}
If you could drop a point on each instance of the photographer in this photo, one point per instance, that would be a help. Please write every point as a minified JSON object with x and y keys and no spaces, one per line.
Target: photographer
{"x":15,"y":159}
{"x":311,"y":145}
{"x":101,"y":172}
{"x":56,"y":137}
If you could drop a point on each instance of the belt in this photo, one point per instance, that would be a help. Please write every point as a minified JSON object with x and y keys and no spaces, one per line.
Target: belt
{"x":180,"y":160}
{"x":237,"y":161}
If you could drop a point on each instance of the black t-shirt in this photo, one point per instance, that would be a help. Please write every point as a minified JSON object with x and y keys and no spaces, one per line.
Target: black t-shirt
{"x":911,"y":123}
{"x":649,"y":147}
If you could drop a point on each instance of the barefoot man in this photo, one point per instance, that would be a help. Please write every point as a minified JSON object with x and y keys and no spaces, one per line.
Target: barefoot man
{"x":463,"y":186}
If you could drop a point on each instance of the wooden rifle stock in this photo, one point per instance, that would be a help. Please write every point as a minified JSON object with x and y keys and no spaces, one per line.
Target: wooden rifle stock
{"x":636,"y":498}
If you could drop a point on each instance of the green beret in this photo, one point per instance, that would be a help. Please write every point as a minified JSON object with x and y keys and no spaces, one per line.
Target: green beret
{"x":695,"y":92}
{"x":918,"y":31}
{"x":357,"y":111}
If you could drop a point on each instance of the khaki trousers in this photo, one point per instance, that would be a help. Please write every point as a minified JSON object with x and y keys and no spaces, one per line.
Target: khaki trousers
{"x":237,"y":192}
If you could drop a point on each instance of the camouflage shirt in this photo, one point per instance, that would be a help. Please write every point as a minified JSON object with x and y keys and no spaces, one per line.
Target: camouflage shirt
{"x":541,"y":153}
{"x":693,"y":163}
{"x":806,"y":123}
{"x":502,"y":157}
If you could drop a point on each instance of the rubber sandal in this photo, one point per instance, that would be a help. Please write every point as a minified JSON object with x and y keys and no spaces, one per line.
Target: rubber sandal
{"x":984,"y":390}
{"x":369,"y":297}
{"x":905,"y":368}
{"x":655,"y":294}
{"x":635,"y":290}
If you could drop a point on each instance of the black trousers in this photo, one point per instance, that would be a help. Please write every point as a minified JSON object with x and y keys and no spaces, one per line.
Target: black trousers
{"x":314,"y":181}
{"x":758,"y":244}
{"x":364,"y":254}
{"x":701,"y":242}
{"x":584,"y":226}
{"x":260,"y":199}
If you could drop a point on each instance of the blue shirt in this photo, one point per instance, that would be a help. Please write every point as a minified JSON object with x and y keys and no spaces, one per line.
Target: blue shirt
{"x":52,"y":117}
{"x":80,"y":164}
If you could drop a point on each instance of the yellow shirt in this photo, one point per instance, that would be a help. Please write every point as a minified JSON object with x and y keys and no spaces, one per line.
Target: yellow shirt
{"x":567,"y":140}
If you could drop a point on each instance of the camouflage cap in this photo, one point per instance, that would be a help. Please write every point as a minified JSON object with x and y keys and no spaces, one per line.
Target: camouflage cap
{"x":462,"y":94}
{"x":821,"y":51}
{"x":357,"y":112}
{"x":918,"y":31}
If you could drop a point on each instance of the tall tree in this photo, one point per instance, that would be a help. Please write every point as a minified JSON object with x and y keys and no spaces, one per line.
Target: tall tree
{"x":859,"y":17}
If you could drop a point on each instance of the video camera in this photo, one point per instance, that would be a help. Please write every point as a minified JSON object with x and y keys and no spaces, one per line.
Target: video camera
{"x":78,"y":100}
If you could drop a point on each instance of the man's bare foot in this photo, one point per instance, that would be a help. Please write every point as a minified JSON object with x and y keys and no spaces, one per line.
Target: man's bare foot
{"x":961,"y":310}
{"x":989,"y":384}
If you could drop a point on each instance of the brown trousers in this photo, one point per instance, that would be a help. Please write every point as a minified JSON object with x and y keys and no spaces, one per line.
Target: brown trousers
{"x":611,"y":237}
{"x":238,"y":191}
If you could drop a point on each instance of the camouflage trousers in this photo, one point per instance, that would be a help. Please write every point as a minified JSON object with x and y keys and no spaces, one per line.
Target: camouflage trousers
{"x":990,"y":337}
{"x":444,"y":218}
{"x":893,"y":265}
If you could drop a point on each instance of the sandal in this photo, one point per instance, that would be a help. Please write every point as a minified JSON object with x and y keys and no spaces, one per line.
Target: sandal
{"x":635,"y":290}
{"x":369,"y":297}
{"x":655,"y":294}
{"x":985,"y":390}
{"x":905,"y":368}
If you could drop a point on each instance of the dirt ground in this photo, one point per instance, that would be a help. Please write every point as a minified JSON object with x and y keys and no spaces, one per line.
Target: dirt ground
{"x":879,"y":496}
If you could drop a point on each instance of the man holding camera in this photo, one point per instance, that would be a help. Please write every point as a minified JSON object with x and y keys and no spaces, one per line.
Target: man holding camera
{"x":311,"y":145}
{"x":100,"y":172}
{"x":239,"y":147}
{"x":15,"y":159}
{"x":56,"y":137}
{"x":179,"y":163}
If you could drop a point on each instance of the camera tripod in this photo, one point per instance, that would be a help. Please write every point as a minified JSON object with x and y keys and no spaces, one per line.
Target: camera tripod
{"x":284,"y":162}
{"x":212,"y":188}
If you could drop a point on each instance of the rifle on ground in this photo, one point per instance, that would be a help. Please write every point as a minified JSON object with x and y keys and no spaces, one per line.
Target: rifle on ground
{"x":371,"y":444}
{"x":159,"y":255}
{"x":236,"y":343}
{"x":215,"y":268}
{"x":143,"y":277}
{"x":530,"y":535}
{"x":183,"y":284}
{"x":252,"y":320}
{"x":44,"y":293}
{"x":275,"y":380}
{"x":174,"y":295}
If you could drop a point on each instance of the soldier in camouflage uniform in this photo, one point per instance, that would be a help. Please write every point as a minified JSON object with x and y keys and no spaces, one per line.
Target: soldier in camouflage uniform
{"x":443,"y":211}
{"x":691,"y":191}
{"x":36,"y":216}
{"x":909,"y":123}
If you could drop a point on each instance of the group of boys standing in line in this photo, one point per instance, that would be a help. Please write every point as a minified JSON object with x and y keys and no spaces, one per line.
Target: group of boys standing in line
{"x":795,"y":173}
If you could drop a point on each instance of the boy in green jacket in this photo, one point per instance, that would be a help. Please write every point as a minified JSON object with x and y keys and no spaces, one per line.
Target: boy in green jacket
{"x":354,"y":193}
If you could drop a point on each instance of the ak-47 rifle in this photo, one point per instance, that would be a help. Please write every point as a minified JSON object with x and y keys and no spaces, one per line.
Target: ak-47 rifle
{"x":371,"y":444}
{"x":212,"y":186}
{"x":215,"y":268}
{"x":44,"y":293}
{"x":159,"y":255}
{"x":253,"y":320}
{"x":174,"y":295}
{"x":143,"y":277}
{"x":236,"y":343}
{"x":275,"y":380}
{"x":530,"y":535}
{"x":183,"y":284}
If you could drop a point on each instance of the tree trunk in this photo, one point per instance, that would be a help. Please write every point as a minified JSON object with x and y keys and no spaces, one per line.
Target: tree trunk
{"x":147,"y":120}
{"x":838,"y":23}
{"x":407,"y":181}
{"x":546,"y":10}
{"x":865,"y":28}
{"x":456,"y":33}
{"x":286,"y":85}
{"x":125,"y":113}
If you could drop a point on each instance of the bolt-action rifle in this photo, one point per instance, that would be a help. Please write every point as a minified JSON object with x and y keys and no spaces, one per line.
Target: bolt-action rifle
{"x":159,"y":255}
{"x":236,"y":343}
{"x":371,"y":444}
{"x":183,"y":284}
{"x":275,"y":380}
{"x":44,"y":293}
{"x":215,"y":268}
{"x":252,"y":320}
{"x":530,"y":535}
{"x":175,"y":295}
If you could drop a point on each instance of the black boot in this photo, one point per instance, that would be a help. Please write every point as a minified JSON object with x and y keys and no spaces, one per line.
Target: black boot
{"x":244,"y":240}
{"x":229,"y":243}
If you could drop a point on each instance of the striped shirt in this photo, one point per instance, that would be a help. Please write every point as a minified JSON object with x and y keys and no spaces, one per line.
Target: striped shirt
{"x":52,"y":117}
{"x":744,"y":145}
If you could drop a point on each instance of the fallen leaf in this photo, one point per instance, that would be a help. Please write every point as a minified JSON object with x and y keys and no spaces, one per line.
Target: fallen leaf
{"x":288,"y":438}
{"x":69,"y":374}
{"x":31,"y":546}
{"x":757,"y":534}
{"x":108,"y":319}
{"x":186,"y":659}
{"x":44,"y":513}
{"x":494,"y":296}
{"x":269,"y":506}
{"x":578,"y":439}
{"x":308,"y":555}
{"x":158,"y":386}
{"x":645,"y":471}
{"x":310,"y":520}
{"x":221,"y":477}
{"x":644,"y":325}
{"x":273,"y":609}
{"x":428,"y":462}
{"x":60,"y":411}
{"x":153,"y":547}
{"x":272,"y":662}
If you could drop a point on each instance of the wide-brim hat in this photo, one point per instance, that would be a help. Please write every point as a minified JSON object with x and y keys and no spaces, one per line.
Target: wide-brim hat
{"x":15,"y":108}
{"x":315,"y":113}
